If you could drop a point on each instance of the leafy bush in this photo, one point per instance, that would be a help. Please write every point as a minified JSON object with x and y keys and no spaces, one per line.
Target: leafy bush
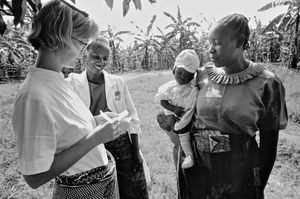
{"x":16,"y":55}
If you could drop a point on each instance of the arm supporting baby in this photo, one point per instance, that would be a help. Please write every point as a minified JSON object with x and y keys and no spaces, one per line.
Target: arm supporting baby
{"x":179,"y":111}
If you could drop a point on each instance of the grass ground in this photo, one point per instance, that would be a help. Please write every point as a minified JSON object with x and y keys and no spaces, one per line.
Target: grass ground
{"x":157,"y":149}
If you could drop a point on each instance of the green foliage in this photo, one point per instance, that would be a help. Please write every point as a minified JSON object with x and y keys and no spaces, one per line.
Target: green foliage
{"x":115,"y":38}
{"x":289,"y":20}
{"x":126,"y":4}
{"x":271,"y":45}
{"x":146,"y":44}
{"x":19,"y":10}
{"x":186,"y":29}
{"x":16,"y":55}
{"x":158,"y":51}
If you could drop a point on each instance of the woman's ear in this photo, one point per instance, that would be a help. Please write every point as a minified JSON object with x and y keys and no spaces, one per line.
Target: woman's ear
{"x":198,"y":73}
{"x":240,"y":41}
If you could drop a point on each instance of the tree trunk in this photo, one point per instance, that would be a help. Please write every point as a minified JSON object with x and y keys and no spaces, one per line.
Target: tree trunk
{"x":114,"y":56}
{"x":181,"y":42}
{"x":146,"y":61}
{"x":295,"y":50}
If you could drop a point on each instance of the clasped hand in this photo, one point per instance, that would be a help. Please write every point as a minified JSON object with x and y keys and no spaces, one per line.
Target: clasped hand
{"x":102,"y":118}
{"x":179,"y":111}
{"x":105,"y":132}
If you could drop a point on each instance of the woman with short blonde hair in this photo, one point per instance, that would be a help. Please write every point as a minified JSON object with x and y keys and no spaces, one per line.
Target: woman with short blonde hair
{"x":57,"y":136}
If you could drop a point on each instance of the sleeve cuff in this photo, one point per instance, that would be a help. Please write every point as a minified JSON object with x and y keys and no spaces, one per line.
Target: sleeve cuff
{"x":38,"y":166}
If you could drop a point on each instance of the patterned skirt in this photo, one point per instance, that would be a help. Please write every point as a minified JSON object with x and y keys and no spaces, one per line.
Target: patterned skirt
{"x":226,"y":168}
{"x":132,"y":183}
{"x":97,"y":183}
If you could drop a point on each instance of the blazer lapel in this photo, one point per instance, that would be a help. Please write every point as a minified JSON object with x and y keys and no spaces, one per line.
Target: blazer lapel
{"x":110,"y":89}
{"x":83,"y":89}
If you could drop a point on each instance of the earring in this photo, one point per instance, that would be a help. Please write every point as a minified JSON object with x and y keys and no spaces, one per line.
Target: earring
{"x":247,"y":46}
{"x":41,"y":43}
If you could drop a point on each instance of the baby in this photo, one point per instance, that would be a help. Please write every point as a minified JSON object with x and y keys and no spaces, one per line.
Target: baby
{"x":177,"y":97}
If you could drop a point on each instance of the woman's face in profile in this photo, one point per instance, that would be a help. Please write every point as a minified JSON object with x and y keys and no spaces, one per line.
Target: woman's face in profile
{"x":222,"y":46}
{"x":70,"y":54}
{"x":97,"y":59}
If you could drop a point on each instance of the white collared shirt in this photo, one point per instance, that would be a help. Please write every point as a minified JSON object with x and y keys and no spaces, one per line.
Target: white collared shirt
{"x":117,"y":96}
{"x":48,"y":118}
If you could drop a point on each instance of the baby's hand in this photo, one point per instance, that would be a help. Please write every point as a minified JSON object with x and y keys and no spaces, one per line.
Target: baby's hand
{"x":179,"y":111}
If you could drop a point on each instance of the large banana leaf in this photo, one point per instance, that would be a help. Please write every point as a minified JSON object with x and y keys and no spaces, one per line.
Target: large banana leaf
{"x":274,"y":4}
{"x":110,"y":3}
{"x":121,"y":33}
{"x":149,"y":28}
{"x":125,"y":6}
{"x":137,"y":4}
{"x":281,"y":23}
{"x":17,"y":9}
{"x":2,"y":25}
{"x":170,"y":16}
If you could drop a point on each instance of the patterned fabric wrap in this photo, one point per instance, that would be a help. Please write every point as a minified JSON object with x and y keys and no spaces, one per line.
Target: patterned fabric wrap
{"x":233,"y":173}
{"x":210,"y":141}
{"x":131,"y":178}
{"x":97,"y":183}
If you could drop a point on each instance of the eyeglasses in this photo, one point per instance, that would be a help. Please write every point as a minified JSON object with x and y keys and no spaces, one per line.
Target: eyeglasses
{"x":81,"y":42}
{"x":84,"y":44}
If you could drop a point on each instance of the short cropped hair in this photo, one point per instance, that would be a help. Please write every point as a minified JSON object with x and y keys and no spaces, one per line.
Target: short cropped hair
{"x":238,"y":23}
{"x":99,"y":42}
{"x":55,"y":25}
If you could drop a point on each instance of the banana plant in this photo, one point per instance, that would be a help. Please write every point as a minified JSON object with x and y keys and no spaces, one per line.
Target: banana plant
{"x":167,"y":50}
{"x":286,"y":21}
{"x":114,"y":42}
{"x":129,"y":58}
{"x":126,"y":4}
{"x":17,"y":46}
{"x":19,"y":9}
{"x":146,"y":43}
{"x":186,"y":29}
{"x":16,"y":56}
